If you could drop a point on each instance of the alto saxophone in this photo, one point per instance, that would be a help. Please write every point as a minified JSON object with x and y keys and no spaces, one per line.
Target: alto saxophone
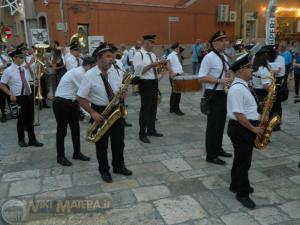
{"x":265,"y":121}
{"x":113,"y":111}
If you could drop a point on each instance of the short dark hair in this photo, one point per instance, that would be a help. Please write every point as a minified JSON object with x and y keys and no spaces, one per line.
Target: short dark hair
{"x":88,"y":60}
{"x":56,"y":42}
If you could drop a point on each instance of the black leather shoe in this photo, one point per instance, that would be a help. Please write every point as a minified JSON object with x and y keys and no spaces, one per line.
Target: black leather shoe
{"x":216,"y":161}
{"x":106,"y":177}
{"x":250,"y":191}
{"x":225,"y":154}
{"x":145,"y":140}
{"x":124,"y":171}
{"x":155,"y":134}
{"x":35,"y":143}
{"x":64,"y":161}
{"x":23,"y":144}
{"x":179,"y":113}
{"x":127,"y":124}
{"x":81,"y":157}
{"x":246,"y":201}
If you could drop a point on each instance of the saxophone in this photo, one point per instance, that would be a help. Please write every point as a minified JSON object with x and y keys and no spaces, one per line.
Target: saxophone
{"x":113,"y":111}
{"x":265,"y":122}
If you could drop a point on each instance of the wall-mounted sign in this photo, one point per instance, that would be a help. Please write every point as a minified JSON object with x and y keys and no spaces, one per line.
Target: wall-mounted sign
{"x":39,"y":36}
{"x":173,"y":19}
{"x":93,"y":42}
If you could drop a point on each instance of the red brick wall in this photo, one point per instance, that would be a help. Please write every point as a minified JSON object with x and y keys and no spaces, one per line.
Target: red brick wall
{"x":120,"y":23}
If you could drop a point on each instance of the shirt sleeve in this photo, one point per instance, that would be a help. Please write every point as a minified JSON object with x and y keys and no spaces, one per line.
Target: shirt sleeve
{"x":70,"y":63}
{"x":137,"y":60}
{"x":236,"y":100}
{"x":5,"y":77}
{"x":85,"y":88}
{"x":264,"y":76}
{"x":205,"y":67}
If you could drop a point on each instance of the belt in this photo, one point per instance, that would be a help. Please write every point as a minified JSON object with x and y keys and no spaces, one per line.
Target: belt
{"x":65,"y":99}
{"x":253,"y":122}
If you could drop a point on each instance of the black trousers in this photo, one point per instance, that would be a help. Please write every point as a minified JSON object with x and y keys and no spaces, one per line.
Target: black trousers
{"x":297,"y":81}
{"x":243,"y":142}
{"x":148,"y":92}
{"x":116,"y":134}
{"x":277,"y":109}
{"x":25,"y":117}
{"x":3,"y":98}
{"x":44,"y":88}
{"x":215,"y":124}
{"x":66,"y":113}
{"x":174,"y":98}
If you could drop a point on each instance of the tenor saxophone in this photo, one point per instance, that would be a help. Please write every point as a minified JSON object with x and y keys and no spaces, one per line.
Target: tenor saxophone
{"x":113,"y":111}
{"x":265,"y":121}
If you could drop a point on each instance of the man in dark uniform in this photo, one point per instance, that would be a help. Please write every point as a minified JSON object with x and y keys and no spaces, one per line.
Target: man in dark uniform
{"x":148,"y":85}
{"x":213,"y":72}
{"x":99,"y":87}
{"x":242,"y":110}
{"x":19,"y":91}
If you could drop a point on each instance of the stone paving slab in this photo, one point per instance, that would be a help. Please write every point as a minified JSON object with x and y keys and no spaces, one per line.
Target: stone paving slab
{"x":171,"y":183}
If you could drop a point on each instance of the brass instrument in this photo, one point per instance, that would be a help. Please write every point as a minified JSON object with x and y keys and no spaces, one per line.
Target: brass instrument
{"x":119,"y":55}
{"x":79,"y":38}
{"x":40,"y":68}
{"x":115,"y":110}
{"x":265,"y":122}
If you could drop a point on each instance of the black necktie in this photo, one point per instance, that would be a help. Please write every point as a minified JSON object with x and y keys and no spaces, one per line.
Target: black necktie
{"x":151,"y":60}
{"x":109,"y":91}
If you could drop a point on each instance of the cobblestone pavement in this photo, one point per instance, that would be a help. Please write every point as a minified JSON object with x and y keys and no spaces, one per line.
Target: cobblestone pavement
{"x":171,"y":182}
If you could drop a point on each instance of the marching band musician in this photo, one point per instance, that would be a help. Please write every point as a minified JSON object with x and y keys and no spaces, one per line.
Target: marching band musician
{"x":100,"y":85}
{"x":66,"y":111}
{"x":72,"y":59}
{"x":242,"y":110}
{"x":148,"y":87}
{"x":175,"y":69}
{"x":4,"y":62}
{"x":19,"y":91}
{"x":261,"y":75}
{"x":213,"y":72}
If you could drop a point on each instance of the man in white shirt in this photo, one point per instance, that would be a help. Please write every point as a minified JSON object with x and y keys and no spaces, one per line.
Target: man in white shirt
{"x":277,"y":64}
{"x":175,"y":69}
{"x":99,"y":87}
{"x":213,"y":72}
{"x":131,"y":53}
{"x":66,"y":111}
{"x":19,"y":91}
{"x":72,"y":59}
{"x":242,"y":111}
{"x":4,"y":63}
{"x":148,"y":86}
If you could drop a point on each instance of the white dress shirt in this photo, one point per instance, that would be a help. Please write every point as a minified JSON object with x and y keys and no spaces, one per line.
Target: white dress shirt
{"x":120,"y":70}
{"x":131,"y":53}
{"x":212,"y":66}
{"x":71,"y":61}
{"x":5,"y":58}
{"x":142,"y":58}
{"x":11,"y":77}
{"x":279,"y":63}
{"x":27,"y":59}
{"x":240,"y":100}
{"x":260,"y":78}
{"x":176,"y":66}
{"x":92,"y":86}
{"x":69,"y":83}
